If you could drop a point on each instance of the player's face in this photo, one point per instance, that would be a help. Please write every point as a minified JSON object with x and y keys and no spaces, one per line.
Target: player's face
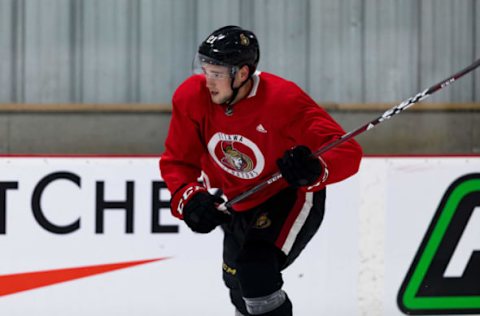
{"x":218,"y":82}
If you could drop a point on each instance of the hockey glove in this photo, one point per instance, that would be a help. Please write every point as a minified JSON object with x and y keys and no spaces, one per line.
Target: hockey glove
{"x":299,"y":167}
{"x":198,"y":208}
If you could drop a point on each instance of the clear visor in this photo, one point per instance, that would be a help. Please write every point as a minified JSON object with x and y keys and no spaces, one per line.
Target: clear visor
{"x":212,"y":68}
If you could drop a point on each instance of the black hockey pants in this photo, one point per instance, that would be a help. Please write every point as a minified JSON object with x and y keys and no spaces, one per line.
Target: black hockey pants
{"x":261,"y":242}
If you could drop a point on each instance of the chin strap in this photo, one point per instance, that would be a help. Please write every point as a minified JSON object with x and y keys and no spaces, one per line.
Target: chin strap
{"x":228,"y":103}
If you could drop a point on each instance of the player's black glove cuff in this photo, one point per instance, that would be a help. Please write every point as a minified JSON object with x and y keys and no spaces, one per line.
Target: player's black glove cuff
{"x":201,"y":214}
{"x":299,"y":167}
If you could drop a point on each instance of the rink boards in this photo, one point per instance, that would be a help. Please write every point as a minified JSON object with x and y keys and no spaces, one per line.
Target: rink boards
{"x":93,"y":236}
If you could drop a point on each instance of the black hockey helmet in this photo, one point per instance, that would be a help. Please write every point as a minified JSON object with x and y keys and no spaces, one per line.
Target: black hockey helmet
{"x":231,"y":46}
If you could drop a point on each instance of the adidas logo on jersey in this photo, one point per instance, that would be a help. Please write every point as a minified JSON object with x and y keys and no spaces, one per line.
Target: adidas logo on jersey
{"x":261,"y":129}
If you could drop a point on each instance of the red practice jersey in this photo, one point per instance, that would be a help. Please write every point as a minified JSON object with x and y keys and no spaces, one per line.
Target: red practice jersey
{"x":239,"y":151}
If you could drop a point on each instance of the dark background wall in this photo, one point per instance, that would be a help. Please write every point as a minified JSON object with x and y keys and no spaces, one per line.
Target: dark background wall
{"x":141,"y":129}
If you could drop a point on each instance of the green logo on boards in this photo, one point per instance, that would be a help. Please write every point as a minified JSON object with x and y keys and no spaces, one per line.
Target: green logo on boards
{"x":426,"y":288}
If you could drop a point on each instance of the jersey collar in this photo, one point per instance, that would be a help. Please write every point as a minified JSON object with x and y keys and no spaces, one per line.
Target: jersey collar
{"x":256,"y":82}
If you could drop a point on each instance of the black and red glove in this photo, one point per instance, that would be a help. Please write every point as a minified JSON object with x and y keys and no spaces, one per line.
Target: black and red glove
{"x":299,"y":167}
{"x":198,"y":208}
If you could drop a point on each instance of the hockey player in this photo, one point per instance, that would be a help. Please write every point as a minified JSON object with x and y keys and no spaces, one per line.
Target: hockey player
{"x":235,"y":126}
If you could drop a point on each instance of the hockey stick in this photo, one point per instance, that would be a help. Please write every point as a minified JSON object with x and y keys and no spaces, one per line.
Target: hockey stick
{"x":385,"y":116}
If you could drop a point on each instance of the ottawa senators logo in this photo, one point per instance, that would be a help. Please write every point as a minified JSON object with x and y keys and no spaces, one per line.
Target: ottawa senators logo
{"x":244,"y":40}
{"x":235,"y":159}
{"x":236,"y":155}
{"x":262,"y":222}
